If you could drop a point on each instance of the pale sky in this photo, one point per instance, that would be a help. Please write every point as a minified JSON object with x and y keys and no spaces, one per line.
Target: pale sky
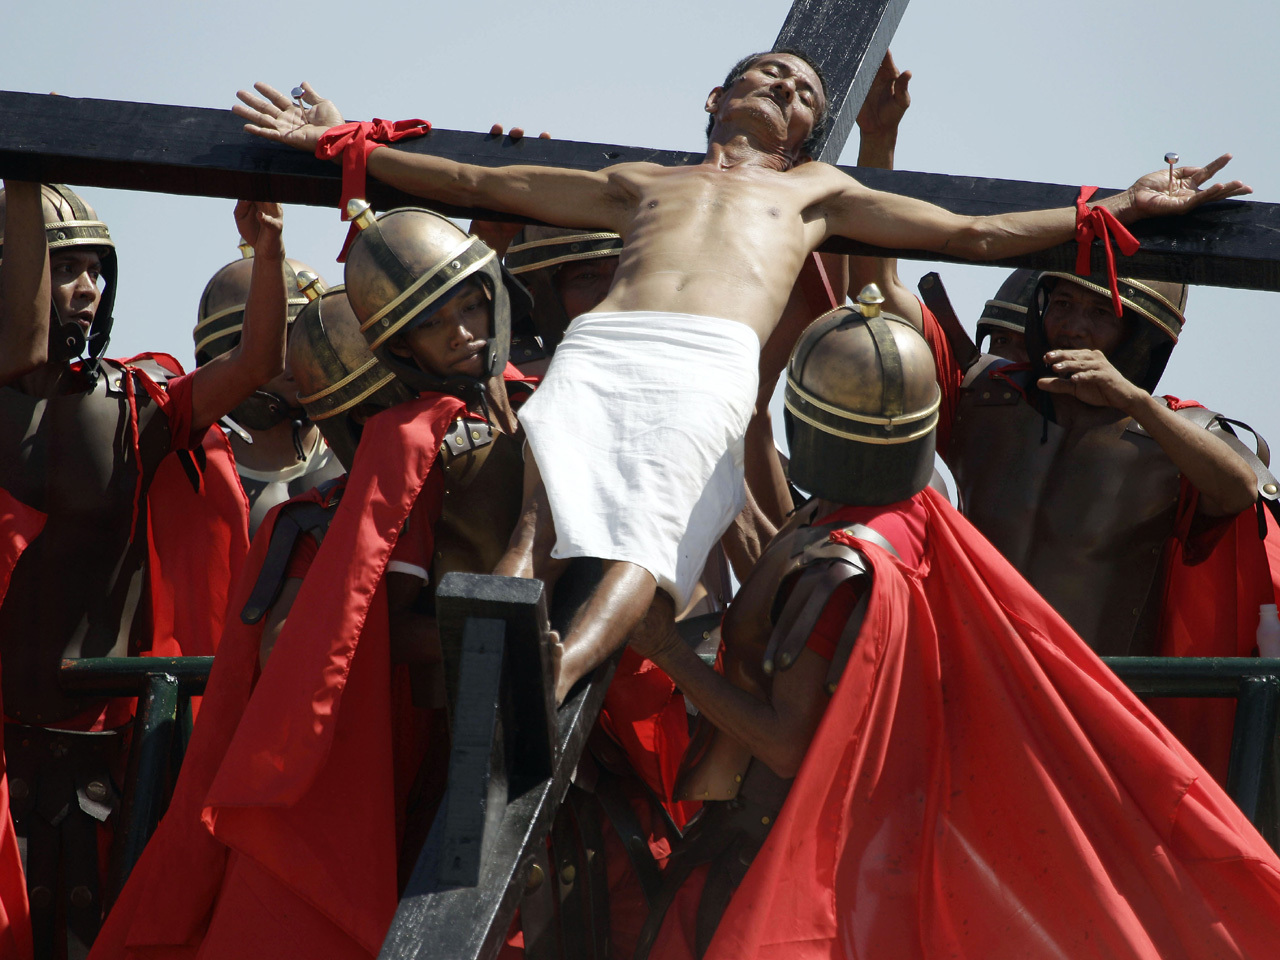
{"x":1087,"y":92}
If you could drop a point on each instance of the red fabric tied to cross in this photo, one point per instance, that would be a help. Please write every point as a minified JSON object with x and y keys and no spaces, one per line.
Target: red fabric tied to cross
{"x":1100,"y":222}
{"x":354,"y":142}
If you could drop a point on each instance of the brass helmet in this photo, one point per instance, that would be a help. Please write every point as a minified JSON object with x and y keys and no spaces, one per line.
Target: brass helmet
{"x":334,"y":369}
{"x":70,"y":222}
{"x":1153,"y":310}
{"x":537,"y":254}
{"x":1008,"y":309}
{"x":405,"y":265}
{"x":861,"y":403}
{"x":220,"y":317}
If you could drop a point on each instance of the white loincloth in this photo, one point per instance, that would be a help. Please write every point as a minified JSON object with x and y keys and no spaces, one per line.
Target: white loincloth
{"x":638,"y":431}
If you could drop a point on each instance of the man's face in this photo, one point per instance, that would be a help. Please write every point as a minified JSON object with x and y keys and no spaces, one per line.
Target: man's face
{"x":780,"y":93}
{"x":74,"y":276}
{"x":453,"y":341}
{"x":1008,"y":344}
{"x":582,"y":285}
{"x":1079,"y":319}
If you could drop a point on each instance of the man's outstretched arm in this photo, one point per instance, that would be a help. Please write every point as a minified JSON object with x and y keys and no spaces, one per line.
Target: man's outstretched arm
{"x":569,"y":198}
{"x":24,"y":283}
{"x":224,"y":382}
{"x":889,"y":220}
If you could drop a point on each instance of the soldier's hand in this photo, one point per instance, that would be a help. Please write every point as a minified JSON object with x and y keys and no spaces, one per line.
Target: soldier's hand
{"x":276,"y":117}
{"x":887,"y":100}
{"x":656,"y":633}
{"x":1154,"y":195}
{"x":1089,"y":376}
{"x":260,"y":224}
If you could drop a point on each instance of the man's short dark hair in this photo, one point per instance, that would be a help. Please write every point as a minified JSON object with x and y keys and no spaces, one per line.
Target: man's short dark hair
{"x":746,"y":63}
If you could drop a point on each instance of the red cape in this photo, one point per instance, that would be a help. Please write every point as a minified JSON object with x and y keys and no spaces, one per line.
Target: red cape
{"x":19,"y":525}
{"x":1210,"y":609}
{"x":198,"y":540}
{"x":280,"y":839}
{"x":983,"y":786}
{"x":165,"y":907}
{"x":305,"y":793}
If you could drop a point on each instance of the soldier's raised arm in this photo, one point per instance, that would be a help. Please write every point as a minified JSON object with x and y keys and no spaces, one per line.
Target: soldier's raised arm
{"x":225,"y":381}
{"x":24,"y":282}
{"x":570,"y":198}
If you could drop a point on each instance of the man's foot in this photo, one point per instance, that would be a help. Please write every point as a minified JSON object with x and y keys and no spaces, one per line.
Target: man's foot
{"x":559,"y":679}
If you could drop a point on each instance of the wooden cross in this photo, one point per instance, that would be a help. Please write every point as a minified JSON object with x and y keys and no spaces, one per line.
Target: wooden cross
{"x":204,"y":152}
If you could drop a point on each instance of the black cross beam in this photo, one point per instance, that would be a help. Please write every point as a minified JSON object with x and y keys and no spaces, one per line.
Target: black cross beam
{"x":204,"y":152}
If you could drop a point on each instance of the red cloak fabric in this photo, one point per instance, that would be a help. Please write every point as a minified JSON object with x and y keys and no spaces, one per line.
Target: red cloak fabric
{"x":198,"y":540}
{"x":1210,"y":609}
{"x":305,"y":793}
{"x":19,"y":525}
{"x":165,"y":907}
{"x":983,"y":786}
{"x":280,"y":839}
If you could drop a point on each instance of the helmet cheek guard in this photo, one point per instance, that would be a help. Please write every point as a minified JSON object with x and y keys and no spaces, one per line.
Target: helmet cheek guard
{"x":1153,"y":309}
{"x":334,"y":369}
{"x":405,"y":265}
{"x":861,"y":406}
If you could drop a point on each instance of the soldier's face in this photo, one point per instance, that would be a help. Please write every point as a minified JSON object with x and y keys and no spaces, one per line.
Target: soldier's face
{"x":453,"y":341}
{"x":74,"y":276}
{"x":583,"y":284}
{"x":1009,"y":345}
{"x":1079,"y":319}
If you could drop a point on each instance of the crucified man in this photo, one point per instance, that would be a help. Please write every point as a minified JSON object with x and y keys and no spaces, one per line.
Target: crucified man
{"x":635,"y":436}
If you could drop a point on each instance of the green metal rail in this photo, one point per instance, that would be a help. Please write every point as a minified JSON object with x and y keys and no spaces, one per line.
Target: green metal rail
{"x":164,"y":687}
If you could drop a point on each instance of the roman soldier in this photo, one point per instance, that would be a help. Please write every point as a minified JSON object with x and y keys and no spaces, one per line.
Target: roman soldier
{"x":1118,"y":505}
{"x":279,"y":452}
{"x":909,"y":735}
{"x":1004,"y":317}
{"x":83,"y":442}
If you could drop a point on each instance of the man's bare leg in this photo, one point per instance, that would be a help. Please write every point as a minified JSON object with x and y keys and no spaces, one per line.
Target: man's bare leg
{"x":529,"y":550}
{"x":618,"y":603}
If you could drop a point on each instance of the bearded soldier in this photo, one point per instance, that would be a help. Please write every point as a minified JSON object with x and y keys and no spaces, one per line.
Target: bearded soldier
{"x":1105,"y":497}
{"x":908,"y":733}
{"x":279,"y":452}
{"x":82,"y":440}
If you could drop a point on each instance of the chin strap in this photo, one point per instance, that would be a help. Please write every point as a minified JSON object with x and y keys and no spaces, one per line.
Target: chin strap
{"x":354,"y":142}
{"x":1100,"y":222}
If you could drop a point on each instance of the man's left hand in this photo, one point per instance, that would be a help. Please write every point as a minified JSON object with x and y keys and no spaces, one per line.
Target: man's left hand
{"x":1154,"y":196}
{"x":1089,"y":376}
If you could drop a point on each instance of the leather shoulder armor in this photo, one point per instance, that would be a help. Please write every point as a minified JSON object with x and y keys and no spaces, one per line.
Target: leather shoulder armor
{"x":294,"y":520}
{"x":483,"y":481}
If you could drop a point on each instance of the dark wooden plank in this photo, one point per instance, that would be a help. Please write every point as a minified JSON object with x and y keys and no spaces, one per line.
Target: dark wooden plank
{"x":204,"y":152}
{"x":847,"y":39}
{"x":435,"y":922}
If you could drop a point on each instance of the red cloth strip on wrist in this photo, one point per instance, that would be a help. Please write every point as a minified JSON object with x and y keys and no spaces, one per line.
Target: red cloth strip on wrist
{"x":354,"y":142}
{"x":1100,"y":222}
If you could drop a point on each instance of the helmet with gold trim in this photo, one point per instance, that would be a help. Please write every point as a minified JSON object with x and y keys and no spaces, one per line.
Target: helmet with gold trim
{"x":535,"y":257}
{"x":340,"y":382}
{"x":404,"y":266}
{"x":861,"y":406}
{"x":1154,"y":315}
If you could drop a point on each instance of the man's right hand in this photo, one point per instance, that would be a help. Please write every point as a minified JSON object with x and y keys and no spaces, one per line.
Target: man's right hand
{"x":280,"y":119}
